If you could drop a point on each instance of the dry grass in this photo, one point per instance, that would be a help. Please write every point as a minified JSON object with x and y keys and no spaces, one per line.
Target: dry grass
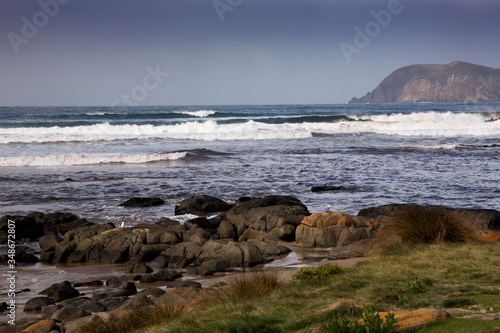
{"x":136,"y":319}
{"x":419,"y":224}
{"x":246,"y":287}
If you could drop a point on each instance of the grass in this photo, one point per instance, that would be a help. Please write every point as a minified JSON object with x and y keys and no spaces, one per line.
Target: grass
{"x":420,"y":224}
{"x":433,"y":275}
{"x":137,"y":319}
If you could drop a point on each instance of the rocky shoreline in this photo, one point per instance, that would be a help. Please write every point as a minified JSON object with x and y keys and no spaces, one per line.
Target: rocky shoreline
{"x":165,"y":260}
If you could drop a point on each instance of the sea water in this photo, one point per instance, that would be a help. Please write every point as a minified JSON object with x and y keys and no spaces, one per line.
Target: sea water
{"x":87,"y":160}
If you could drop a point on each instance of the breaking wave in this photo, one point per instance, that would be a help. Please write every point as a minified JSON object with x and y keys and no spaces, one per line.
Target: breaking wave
{"x":76,"y":159}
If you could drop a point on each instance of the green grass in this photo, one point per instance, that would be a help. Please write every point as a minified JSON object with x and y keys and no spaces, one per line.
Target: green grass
{"x":457,"y":325}
{"x":426,"y":276}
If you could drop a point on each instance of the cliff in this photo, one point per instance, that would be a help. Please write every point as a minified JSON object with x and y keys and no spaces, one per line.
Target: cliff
{"x":455,"y":82}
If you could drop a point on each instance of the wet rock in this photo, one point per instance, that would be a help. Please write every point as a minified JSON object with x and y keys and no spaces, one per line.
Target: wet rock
{"x":184,"y":284}
{"x":125,"y":289}
{"x":27,"y":228}
{"x":37,"y":304}
{"x":271,"y":249}
{"x":159,"y":262}
{"x":49,"y":242}
{"x":202,"y":205}
{"x":324,"y":188}
{"x":210,"y":267}
{"x":142,"y":202}
{"x":3,"y":306}
{"x":153,"y":278}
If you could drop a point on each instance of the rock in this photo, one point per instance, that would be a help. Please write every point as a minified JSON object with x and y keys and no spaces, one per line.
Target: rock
{"x":126,"y":289}
{"x":166,"y":222}
{"x":323,"y":188}
{"x":49,"y":242}
{"x":85,"y":303}
{"x":159,"y":262}
{"x":331,"y":229}
{"x":184,"y":284}
{"x":64,"y":293}
{"x":153,"y":291}
{"x":113,"y":303}
{"x":226,"y":230}
{"x":138,"y":301}
{"x":185,"y":250}
{"x":270,"y":249}
{"x":69,"y":313}
{"x":262,"y":215}
{"x":50,"y":291}
{"x":210,"y":267}
{"x":412,"y":320}
{"x":202,"y":205}
{"x":138,"y":267}
{"x":49,"y":310}
{"x":37,"y":304}
{"x":117,"y":282}
{"x":93,"y":283}
{"x":76,"y":325}
{"x":169,"y":273}
{"x":43,"y":326}
{"x":21,"y":257}
{"x":177,"y":297}
{"x":27,"y":228}
{"x":246,"y":254}
{"x":153,"y":278}
{"x":196,"y":235}
{"x":3,"y":306}
{"x":142,"y":202}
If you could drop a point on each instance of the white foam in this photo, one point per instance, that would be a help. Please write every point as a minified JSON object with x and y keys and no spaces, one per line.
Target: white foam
{"x":414,"y":124}
{"x":200,"y":113}
{"x":74,"y":159}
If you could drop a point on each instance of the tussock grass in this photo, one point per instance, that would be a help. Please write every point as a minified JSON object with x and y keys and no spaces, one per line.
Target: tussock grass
{"x":136,"y":319}
{"x":246,"y":287}
{"x":419,"y":224}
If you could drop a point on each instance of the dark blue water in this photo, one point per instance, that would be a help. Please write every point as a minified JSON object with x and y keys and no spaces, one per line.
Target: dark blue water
{"x":87,"y":160}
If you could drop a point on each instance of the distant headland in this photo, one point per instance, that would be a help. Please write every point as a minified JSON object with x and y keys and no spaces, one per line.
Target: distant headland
{"x":455,"y":82}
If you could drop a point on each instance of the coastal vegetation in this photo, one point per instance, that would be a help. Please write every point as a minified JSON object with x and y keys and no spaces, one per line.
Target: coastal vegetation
{"x":462,"y":276}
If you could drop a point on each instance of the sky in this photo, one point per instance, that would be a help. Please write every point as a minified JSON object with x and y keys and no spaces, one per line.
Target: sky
{"x":214,"y":52}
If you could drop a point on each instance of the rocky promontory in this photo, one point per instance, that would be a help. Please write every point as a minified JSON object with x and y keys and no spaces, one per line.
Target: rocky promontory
{"x":455,"y":82}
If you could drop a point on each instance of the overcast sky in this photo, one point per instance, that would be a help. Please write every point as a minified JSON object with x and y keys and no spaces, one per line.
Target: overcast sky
{"x":95,"y":52}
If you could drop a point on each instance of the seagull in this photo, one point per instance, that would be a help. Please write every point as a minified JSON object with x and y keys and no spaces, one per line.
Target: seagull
{"x":327,"y":208}
{"x":123,"y":225}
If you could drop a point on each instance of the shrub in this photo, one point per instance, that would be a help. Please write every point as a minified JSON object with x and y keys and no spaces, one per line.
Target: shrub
{"x":414,"y":287}
{"x":372,"y":323}
{"x":456,"y":302}
{"x":419,"y":224}
{"x":321,"y":272}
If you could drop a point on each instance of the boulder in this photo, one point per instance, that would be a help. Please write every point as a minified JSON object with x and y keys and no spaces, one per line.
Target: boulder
{"x":166,"y":222}
{"x":69,"y":313}
{"x":262,"y":216}
{"x":142,"y":202}
{"x":153,"y":291}
{"x":125,"y":289}
{"x":49,"y":242}
{"x":243,"y":253}
{"x":50,"y":291}
{"x":27,"y":228}
{"x":84,"y":303}
{"x":202,"y":205}
{"x":37,"y":304}
{"x":113,"y":303}
{"x":43,"y":326}
{"x":331,"y":229}
{"x":64,"y":293}
{"x":226,"y":230}
{"x":153,"y":278}
{"x":169,"y":273}
{"x":136,"y":302}
{"x":138,"y":267}
{"x":93,"y":283}
{"x":210,"y":267}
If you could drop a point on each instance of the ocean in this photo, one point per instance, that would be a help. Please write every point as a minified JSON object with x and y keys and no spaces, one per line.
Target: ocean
{"x":88,"y":160}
